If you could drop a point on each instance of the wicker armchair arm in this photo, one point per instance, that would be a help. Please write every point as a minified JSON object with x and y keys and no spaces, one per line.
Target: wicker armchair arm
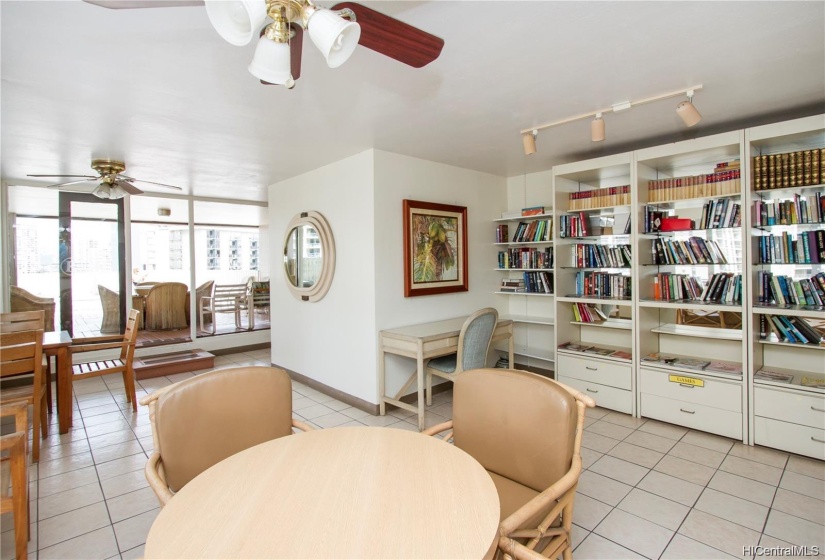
{"x":513,"y":549}
{"x":301,"y":425}
{"x":159,"y":486}
{"x":152,"y":397}
{"x":438,"y":428}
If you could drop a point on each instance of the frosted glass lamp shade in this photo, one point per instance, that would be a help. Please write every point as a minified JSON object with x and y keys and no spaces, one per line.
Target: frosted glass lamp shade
{"x":529,"y":142}
{"x":686,"y":110}
{"x":236,"y":21}
{"x":597,"y":129}
{"x":334,"y":36}
{"x":117,"y":192}
{"x":103,"y":191}
{"x":271,"y":62}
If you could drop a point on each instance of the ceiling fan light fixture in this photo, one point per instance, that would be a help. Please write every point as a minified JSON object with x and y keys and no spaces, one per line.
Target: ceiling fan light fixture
{"x":271,"y":62}
{"x":116,"y":192}
{"x":103,"y":190}
{"x":334,"y":36}
{"x":236,"y":21}
{"x":597,"y":129}
{"x":688,"y":113}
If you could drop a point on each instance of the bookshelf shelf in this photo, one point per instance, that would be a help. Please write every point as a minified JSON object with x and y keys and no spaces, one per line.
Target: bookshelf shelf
{"x":616,"y":209}
{"x":793,"y":344}
{"x":525,"y":218}
{"x":689,"y":304}
{"x":690,"y":372}
{"x":699,"y":332}
{"x":784,"y":227}
{"x":520,"y":243}
{"x":737,"y":264}
{"x":795,"y":382}
{"x":527,"y":352}
{"x":786,"y":192}
{"x":658,"y":234}
{"x":816,"y":312}
{"x":528,"y":320}
{"x":524,"y":294}
{"x":612,"y":348}
{"x":573,"y":298}
{"x":524,"y":269}
{"x":621,"y":324}
{"x":680,"y":203}
{"x":595,"y":267}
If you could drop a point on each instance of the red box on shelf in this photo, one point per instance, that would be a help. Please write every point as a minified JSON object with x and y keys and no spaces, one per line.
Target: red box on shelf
{"x":676,"y":224}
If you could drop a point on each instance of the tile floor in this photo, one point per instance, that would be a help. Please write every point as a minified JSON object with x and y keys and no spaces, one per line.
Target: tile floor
{"x":650,"y":489}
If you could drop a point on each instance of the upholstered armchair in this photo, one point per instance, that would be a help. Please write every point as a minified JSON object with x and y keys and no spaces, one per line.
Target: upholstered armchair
{"x":21,"y":300}
{"x":526,"y":431}
{"x":202,"y":420}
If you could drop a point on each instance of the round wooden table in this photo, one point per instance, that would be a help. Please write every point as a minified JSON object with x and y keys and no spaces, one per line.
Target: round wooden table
{"x":335,"y":493}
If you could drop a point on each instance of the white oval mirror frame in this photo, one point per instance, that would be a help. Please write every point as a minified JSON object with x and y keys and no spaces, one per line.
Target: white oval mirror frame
{"x":320,"y":287}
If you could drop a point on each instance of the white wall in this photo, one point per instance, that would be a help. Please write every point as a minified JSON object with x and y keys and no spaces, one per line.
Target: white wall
{"x":332,"y":341}
{"x":398,"y":177}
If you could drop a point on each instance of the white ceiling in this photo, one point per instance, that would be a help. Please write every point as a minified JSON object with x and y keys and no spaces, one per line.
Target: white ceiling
{"x":159,"y":88}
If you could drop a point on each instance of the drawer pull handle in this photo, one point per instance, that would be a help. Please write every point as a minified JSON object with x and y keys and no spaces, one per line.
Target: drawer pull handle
{"x":591,"y":368}
{"x":591,"y":391}
{"x":819,"y":440}
{"x":818,"y":409}
{"x":688,"y":411}
{"x":686,"y":385}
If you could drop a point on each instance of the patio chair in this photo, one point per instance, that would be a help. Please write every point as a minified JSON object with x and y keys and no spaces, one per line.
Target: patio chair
{"x":526,"y":431}
{"x":201,"y":421}
{"x":29,"y":321}
{"x":205,"y":290}
{"x":14,"y":474}
{"x":21,"y":300}
{"x":110,"y":301}
{"x":166,"y":307}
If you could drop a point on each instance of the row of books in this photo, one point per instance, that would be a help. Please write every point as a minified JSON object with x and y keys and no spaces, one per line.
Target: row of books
{"x":791,"y":169}
{"x":805,"y":248}
{"x":783,"y":290}
{"x":587,"y":255}
{"x":538,"y":230}
{"x":524,"y":257}
{"x":587,"y":348}
{"x":693,"y":251}
{"x":599,"y":198}
{"x":720,"y":213}
{"x":603,"y":284}
{"x":720,"y":366}
{"x":531,"y":283}
{"x":800,"y":210}
{"x":794,"y":330}
{"x":723,"y":181}
{"x":574,"y":225}
{"x":588,"y":313}
{"x":722,"y":287}
{"x":524,"y":212}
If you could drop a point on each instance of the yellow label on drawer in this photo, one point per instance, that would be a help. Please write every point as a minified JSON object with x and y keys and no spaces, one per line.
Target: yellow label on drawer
{"x":682,"y":380}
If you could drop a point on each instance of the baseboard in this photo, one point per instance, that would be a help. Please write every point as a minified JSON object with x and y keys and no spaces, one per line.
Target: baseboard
{"x":331,"y":392}
{"x":237,"y":349}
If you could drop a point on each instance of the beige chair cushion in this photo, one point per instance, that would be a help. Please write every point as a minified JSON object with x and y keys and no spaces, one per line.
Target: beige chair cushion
{"x":518,"y":425}
{"x":511,"y":495}
{"x":207,"y":418}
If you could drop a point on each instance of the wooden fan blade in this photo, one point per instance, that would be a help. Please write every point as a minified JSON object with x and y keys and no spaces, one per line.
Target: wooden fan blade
{"x":67,"y":176}
{"x":394,"y":38}
{"x":133,"y":180}
{"x":129,"y":188}
{"x":132,"y":4}
{"x":70,"y":183}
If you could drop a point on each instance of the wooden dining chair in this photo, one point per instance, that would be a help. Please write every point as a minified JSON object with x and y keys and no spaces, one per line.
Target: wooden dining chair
{"x":202,"y":420}
{"x":123,"y":365}
{"x":22,"y":353}
{"x":526,"y":431}
{"x":473,"y":346}
{"x":17,"y":321}
{"x":14,"y":475}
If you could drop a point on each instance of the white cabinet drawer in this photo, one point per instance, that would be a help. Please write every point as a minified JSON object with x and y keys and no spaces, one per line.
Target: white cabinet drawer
{"x":789,"y":406}
{"x":602,"y":372}
{"x":803,"y":440}
{"x":692,"y":415}
{"x":607,"y":397}
{"x":714,"y":393}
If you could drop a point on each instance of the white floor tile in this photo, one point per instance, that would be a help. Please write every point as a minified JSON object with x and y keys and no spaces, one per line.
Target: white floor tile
{"x":731,"y":508}
{"x":69,"y":525}
{"x":800,"y":506}
{"x":664,"y":512}
{"x":132,"y":532}
{"x":620,"y":470}
{"x":595,"y":547}
{"x":602,"y":488}
{"x":634,"y":533}
{"x":683,"y":548}
{"x":795,"y":530}
{"x":718,"y":533}
{"x":742,"y":487}
{"x":69,"y":500}
{"x":100,"y":543}
{"x":666,"y":486}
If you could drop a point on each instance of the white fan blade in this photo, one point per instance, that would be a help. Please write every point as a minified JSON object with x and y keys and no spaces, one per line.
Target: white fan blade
{"x":133,"y":180}
{"x":131,"y":4}
{"x":70,"y":183}
{"x":86,"y":176}
{"x":129,"y":188}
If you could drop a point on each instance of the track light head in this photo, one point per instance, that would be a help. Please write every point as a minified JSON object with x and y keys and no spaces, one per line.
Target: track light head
{"x":529,"y":141}
{"x":690,"y":116}
{"x":597,"y":128}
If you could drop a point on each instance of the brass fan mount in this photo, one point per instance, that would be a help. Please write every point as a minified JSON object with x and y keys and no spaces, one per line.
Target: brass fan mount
{"x":107,"y":168}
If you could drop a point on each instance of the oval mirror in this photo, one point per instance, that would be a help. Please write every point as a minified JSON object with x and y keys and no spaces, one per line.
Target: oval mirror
{"x":309,"y":256}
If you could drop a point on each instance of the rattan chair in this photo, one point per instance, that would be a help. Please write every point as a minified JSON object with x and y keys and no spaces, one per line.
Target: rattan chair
{"x":14,"y":474}
{"x":122,"y":365}
{"x":201,"y":421}
{"x":526,"y":431}
{"x":110,"y":302}
{"x":166,"y":307}
{"x":473,"y":346}
{"x":22,"y":353}
{"x":21,"y":300}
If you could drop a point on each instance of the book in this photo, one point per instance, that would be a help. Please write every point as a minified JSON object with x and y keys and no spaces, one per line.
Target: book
{"x":598,"y":351}
{"x":812,"y":382}
{"x":691,"y":363}
{"x":621,"y":354}
{"x":532,"y":211}
{"x":574,"y":346}
{"x":768,"y":375}
{"x":724,"y":367}
{"x":656,"y":357}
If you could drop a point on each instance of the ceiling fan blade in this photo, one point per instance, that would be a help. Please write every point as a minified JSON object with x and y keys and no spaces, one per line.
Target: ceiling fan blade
{"x":296,"y":47}
{"x":69,"y":183}
{"x":133,"y":180}
{"x":394,"y":38}
{"x":86,"y":176}
{"x":130,"y":4}
{"x":129,"y":188}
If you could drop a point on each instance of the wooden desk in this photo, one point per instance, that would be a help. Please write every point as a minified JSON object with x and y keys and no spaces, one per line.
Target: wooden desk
{"x":335,"y":493}
{"x":57,"y":344}
{"x":422,"y":342}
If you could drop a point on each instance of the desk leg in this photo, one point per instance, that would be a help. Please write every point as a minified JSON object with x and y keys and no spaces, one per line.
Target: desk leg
{"x":64,"y":389}
{"x":382,"y":389}
{"x":420,"y":378}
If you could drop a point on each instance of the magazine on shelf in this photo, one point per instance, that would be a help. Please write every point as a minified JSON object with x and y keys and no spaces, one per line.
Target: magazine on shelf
{"x":724,"y":367}
{"x":812,"y":382}
{"x":768,"y":375}
{"x":598,"y":351}
{"x":656,"y":357}
{"x":621,"y":354}
{"x":574,"y":346}
{"x":691,"y":363}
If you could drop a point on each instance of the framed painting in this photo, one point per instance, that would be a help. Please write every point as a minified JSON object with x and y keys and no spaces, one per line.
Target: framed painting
{"x":435,"y":248}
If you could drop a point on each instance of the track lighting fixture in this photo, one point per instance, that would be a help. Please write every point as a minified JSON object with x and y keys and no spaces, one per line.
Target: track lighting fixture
{"x":597,"y":129}
{"x":685,"y":110}
{"x":529,"y":141}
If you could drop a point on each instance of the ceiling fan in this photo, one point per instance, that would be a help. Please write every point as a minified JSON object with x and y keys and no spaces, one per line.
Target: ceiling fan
{"x":111,"y":182}
{"x":334,"y":31}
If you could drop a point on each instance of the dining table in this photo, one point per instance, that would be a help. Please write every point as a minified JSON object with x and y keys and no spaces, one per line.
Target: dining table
{"x":346,"y":492}
{"x":57,"y":343}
